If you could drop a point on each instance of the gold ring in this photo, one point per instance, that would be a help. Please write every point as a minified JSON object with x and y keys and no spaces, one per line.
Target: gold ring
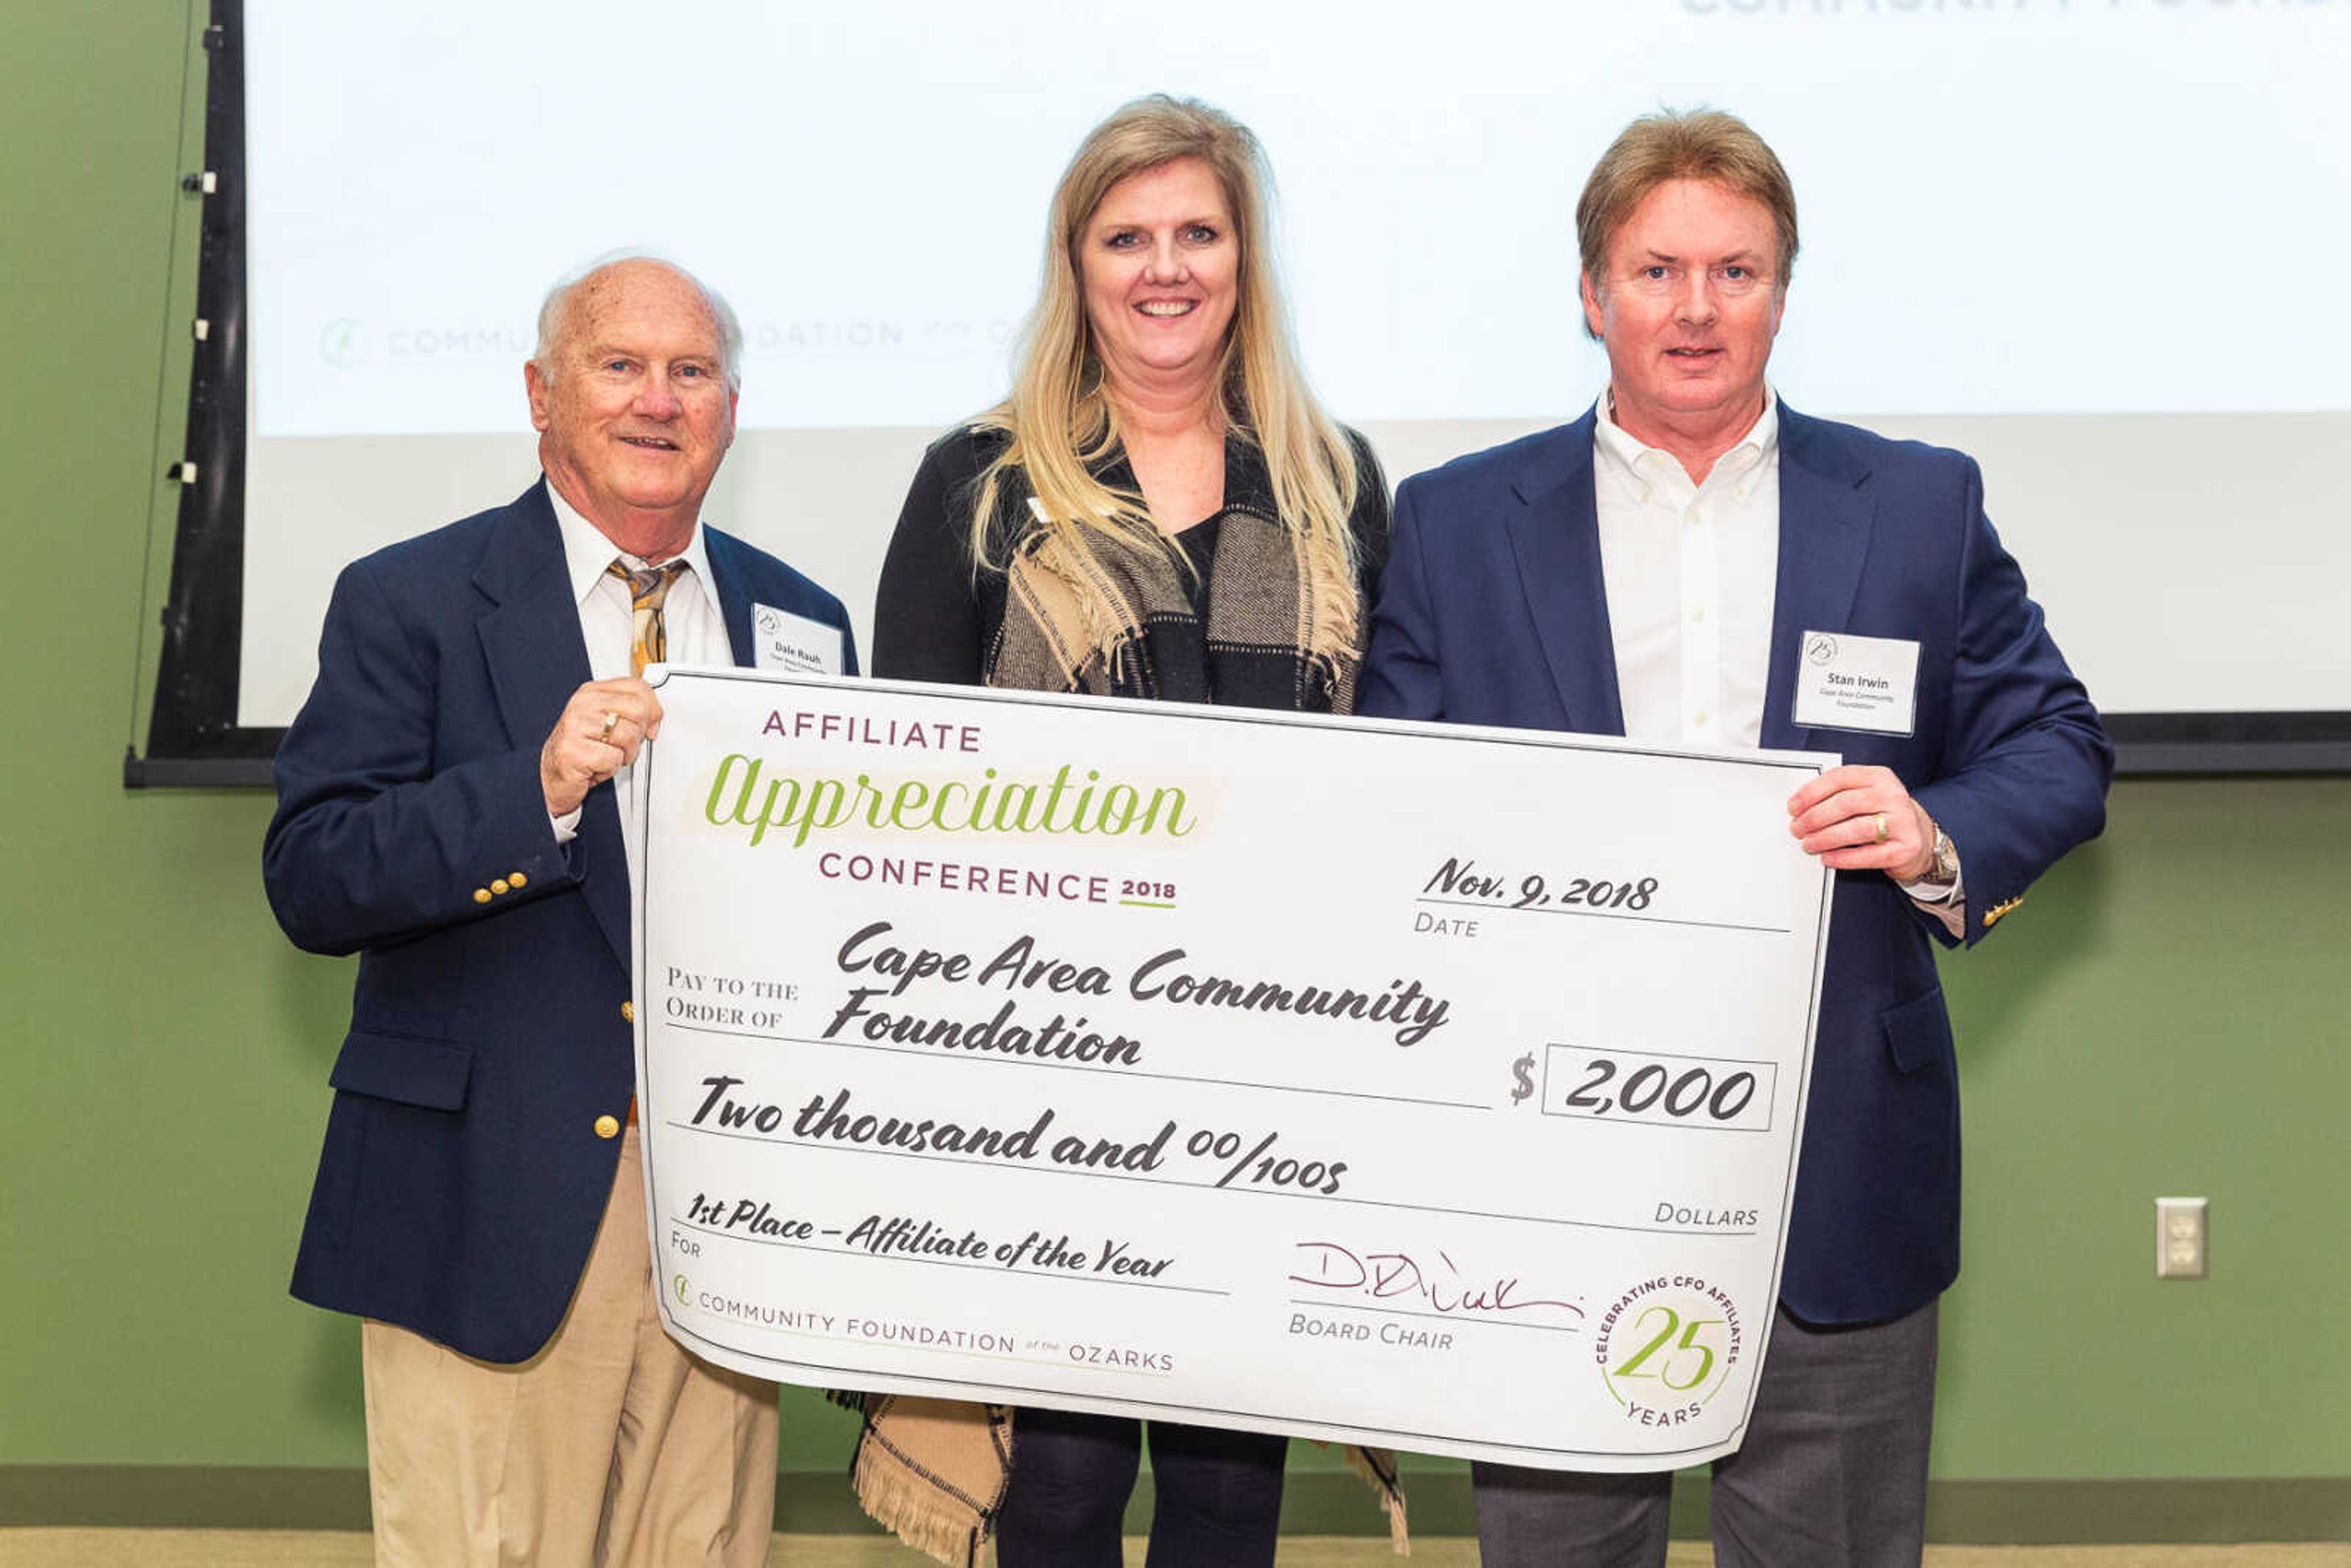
{"x":613,"y":717}
{"x":1879,"y":818}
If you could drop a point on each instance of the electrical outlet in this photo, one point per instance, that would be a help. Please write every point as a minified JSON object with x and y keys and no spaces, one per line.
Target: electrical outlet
{"x":2180,"y":1238}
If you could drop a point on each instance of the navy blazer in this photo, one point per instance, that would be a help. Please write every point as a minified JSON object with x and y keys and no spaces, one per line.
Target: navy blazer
{"x":1494,"y":611}
{"x":463,"y":1178}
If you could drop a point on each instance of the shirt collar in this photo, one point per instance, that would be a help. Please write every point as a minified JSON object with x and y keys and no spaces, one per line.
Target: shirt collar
{"x":1637,"y":464}
{"x":586,"y":552}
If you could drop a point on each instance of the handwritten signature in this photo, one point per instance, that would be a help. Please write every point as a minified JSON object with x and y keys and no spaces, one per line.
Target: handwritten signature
{"x":1385,"y":1276}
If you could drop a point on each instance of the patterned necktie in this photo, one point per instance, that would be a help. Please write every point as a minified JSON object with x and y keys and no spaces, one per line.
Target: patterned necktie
{"x":648,"y":637}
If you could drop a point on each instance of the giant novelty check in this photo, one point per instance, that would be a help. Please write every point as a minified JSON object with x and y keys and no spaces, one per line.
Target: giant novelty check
{"x":1439,"y":1089}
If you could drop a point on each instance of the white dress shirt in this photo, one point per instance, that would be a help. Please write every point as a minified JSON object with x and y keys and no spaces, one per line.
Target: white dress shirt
{"x":696,"y":629}
{"x":1692,"y":573}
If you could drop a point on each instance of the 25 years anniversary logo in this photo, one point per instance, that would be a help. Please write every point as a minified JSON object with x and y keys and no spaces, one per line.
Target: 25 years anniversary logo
{"x":1666,"y":1347}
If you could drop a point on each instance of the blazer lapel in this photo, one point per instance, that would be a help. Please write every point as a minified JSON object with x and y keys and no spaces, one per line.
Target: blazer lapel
{"x":1826,"y":520}
{"x":532,"y":646}
{"x":734,"y":604}
{"x":1555,"y":537}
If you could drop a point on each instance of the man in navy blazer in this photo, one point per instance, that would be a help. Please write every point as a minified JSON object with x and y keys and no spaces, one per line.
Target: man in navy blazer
{"x":447,"y":809}
{"x":1692,"y":563}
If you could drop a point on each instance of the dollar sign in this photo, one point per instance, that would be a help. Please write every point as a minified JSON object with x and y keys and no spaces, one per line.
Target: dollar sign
{"x":1523,"y":1070}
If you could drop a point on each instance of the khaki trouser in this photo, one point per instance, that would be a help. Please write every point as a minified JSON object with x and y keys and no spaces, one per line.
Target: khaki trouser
{"x":611,"y":1446}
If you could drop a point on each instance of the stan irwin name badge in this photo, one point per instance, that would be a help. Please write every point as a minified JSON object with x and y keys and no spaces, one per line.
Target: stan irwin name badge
{"x":1845,"y":682}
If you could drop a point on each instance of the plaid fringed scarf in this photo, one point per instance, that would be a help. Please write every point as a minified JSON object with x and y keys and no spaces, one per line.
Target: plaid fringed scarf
{"x":934,"y":1471}
{"x":1118,"y":617}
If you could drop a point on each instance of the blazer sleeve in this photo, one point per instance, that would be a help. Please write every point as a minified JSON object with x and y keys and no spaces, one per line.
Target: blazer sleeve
{"x":1403,"y":676}
{"x":2025,"y":762}
{"x":379,"y":836}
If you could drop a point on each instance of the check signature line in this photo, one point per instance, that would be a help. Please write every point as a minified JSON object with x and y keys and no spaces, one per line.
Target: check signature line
{"x":1080,"y":1067}
{"x":1493,"y":908}
{"x":1435,"y":1317}
{"x":1091,"y":1175}
{"x":946,"y":1262}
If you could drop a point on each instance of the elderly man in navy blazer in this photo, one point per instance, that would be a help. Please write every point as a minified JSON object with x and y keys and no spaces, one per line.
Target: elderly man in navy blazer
{"x":449,"y":808}
{"x":1695,"y":563}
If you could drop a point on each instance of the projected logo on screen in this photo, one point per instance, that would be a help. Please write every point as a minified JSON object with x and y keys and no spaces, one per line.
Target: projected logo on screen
{"x":343,"y":344}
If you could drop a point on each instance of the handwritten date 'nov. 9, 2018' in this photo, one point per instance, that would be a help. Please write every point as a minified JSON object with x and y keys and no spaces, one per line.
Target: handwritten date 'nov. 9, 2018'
{"x":1461,"y":881}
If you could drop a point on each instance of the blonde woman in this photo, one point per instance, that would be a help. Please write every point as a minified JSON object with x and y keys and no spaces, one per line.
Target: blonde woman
{"x":1158,"y":509}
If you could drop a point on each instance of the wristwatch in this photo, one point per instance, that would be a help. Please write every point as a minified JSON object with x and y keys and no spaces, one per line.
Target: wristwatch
{"x":1945,"y":870}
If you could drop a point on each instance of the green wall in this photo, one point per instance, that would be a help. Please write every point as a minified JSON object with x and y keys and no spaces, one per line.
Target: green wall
{"x":2167,"y":1014}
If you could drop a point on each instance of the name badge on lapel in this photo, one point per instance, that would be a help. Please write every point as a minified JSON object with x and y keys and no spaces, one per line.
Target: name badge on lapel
{"x":1845,"y":682}
{"x":794,"y":643}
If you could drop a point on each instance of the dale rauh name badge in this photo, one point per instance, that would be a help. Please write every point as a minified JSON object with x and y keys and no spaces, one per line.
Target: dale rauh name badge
{"x":1432,"y":1087}
{"x":793,"y":644}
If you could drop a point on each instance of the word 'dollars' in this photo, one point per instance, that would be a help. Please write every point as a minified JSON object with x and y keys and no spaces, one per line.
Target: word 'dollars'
{"x":1062,"y":803}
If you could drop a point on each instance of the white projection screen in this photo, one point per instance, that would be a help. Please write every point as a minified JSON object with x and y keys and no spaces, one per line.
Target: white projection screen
{"x":2094,"y":244}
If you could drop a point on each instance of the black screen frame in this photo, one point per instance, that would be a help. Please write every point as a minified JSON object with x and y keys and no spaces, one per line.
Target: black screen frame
{"x":193,"y":738}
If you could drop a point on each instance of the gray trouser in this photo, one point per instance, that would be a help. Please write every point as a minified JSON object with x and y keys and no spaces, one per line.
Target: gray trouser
{"x":1833,"y":1472}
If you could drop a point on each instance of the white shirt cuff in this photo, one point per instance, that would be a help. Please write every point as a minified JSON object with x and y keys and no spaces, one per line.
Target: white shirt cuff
{"x":1946,"y":904}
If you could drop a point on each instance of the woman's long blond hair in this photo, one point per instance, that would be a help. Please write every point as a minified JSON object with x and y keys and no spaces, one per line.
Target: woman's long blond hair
{"x":1057,"y":414}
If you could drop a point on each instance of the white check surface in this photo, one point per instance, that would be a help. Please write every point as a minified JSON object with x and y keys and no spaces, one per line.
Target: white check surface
{"x":1434,"y":1088}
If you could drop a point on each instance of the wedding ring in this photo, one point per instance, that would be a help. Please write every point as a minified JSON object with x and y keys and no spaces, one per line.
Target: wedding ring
{"x":1879,"y":818}
{"x":611,"y":717}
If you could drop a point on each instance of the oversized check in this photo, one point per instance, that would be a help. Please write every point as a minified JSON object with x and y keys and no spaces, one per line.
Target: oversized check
{"x":1434,"y":1088}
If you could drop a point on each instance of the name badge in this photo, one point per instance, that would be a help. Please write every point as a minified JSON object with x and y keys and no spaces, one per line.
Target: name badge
{"x":783,"y":641}
{"x":1845,"y":682}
